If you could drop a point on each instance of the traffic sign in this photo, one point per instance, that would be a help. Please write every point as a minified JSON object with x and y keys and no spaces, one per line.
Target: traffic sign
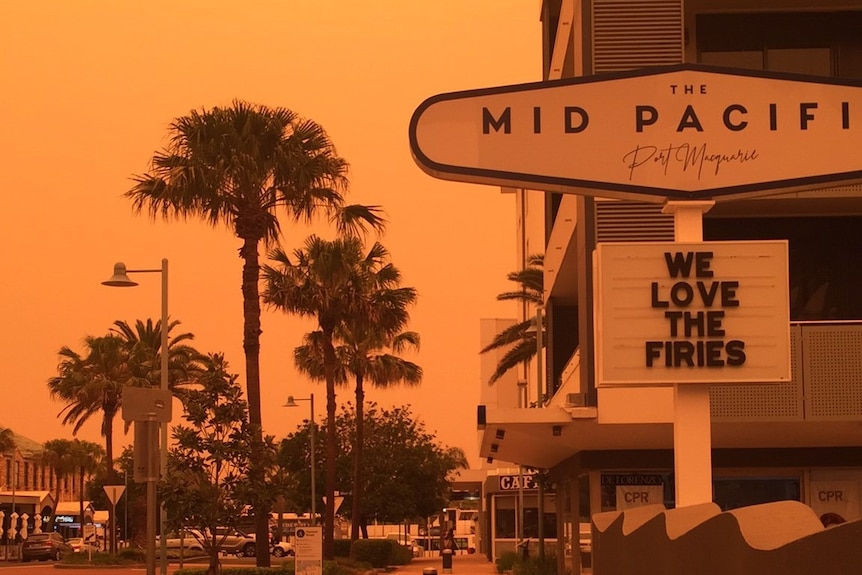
{"x":114,"y":492}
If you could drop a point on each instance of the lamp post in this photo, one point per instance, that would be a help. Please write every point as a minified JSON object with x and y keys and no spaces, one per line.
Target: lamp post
{"x":121,"y":279}
{"x":291,"y":402}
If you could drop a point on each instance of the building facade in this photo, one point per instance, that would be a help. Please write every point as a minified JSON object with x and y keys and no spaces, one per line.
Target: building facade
{"x":610,"y":449}
{"x":28,"y":486}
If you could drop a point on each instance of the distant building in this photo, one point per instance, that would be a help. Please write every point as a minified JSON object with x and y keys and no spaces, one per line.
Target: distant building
{"x":31,"y":487}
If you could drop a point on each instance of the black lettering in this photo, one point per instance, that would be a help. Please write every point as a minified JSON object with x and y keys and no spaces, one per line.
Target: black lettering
{"x":727,"y":120}
{"x":681,"y":294}
{"x":653,"y":352}
{"x":683,"y":351}
{"x":773,"y":117}
{"x":701,"y":264}
{"x":805,"y":115}
{"x":673,"y":318}
{"x":655,"y":302}
{"x":713,"y":323}
{"x":645,"y":116}
{"x":505,"y":121}
{"x":713,"y":353}
{"x":689,"y":120}
{"x":845,"y":115}
{"x":585,"y":119}
{"x":728,"y":294}
{"x":735,"y":350}
{"x":678,"y":264}
{"x":707,"y":295}
{"x":537,"y":120}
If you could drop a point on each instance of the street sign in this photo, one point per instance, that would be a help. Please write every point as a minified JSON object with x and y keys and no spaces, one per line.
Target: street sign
{"x":681,"y":132}
{"x":308,"y":547}
{"x":146,"y":404}
{"x":114,"y":492}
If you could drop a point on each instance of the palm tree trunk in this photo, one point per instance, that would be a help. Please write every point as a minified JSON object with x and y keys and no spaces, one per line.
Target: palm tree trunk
{"x":356,"y":514}
{"x":329,"y":365}
{"x":108,"y":432}
{"x":251,"y":347}
{"x":81,"y":499}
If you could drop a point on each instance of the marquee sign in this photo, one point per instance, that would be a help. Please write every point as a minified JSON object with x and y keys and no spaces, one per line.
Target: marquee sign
{"x":680,"y":132}
{"x":703,"y":312}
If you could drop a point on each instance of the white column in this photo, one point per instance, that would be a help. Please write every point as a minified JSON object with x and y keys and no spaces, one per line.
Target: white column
{"x":692,"y":434}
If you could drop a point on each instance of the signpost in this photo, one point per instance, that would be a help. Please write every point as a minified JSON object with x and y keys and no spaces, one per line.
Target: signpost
{"x":114,"y":493}
{"x":686,"y":136}
{"x":309,"y":551}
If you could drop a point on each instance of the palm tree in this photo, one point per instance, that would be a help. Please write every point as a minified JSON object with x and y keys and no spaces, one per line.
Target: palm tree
{"x":521,"y":336}
{"x":93,"y":383}
{"x":85,"y":457}
{"x":57,"y":456}
{"x":237,"y":166}
{"x":331,"y":281}
{"x":144,"y":342}
{"x":362,"y":353}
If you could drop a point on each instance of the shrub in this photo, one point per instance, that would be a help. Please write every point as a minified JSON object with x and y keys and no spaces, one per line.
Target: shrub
{"x":506,"y":561}
{"x":286,"y":568}
{"x":401,"y":554}
{"x":342,"y":547}
{"x":378,"y":552}
{"x":536,"y":566}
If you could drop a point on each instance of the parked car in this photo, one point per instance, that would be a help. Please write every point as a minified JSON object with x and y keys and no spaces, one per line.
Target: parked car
{"x":235,"y":542}
{"x":78,"y":545}
{"x":406,"y":540}
{"x":44,"y":546}
{"x":282,"y":548}
{"x":188,"y":539}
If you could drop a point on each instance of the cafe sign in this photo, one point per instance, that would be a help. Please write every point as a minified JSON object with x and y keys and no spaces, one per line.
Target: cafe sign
{"x":679,"y":132}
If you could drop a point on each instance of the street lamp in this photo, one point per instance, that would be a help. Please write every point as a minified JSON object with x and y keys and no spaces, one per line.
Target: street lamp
{"x":121,"y":279}
{"x":291,"y":402}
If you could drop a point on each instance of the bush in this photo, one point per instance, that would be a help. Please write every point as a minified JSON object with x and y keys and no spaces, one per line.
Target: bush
{"x":286,"y":568}
{"x":378,"y":552}
{"x":102,"y":558}
{"x":506,"y":561}
{"x":536,"y":566}
{"x":342,"y":547}
{"x":401,"y":554}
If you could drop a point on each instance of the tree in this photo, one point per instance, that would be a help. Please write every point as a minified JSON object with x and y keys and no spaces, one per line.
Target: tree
{"x":144,"y":342}
{"x":205,"y":487}
{"x":398,"y":446}
{"x":237,"y":166}
{"x":57,"y":456}
{"x":91,"y":384}
{"x":363,"y":343}
{"x":331,"y":281}
{"x":521,"y":336}
{"x":85,"y":457}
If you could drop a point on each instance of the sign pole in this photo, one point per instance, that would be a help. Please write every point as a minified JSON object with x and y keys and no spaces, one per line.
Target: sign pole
{"x":692,"y":434}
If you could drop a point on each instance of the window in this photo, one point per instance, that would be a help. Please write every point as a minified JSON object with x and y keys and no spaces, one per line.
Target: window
{"x":816,"y":43}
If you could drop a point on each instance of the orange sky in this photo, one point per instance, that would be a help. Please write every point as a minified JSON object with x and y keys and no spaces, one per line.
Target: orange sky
{"x":88,"y":89}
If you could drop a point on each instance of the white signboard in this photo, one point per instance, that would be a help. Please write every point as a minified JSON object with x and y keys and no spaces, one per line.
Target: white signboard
{"x":683,"y":132}
{"x":309,"y":551}
{"x":704,"y":312}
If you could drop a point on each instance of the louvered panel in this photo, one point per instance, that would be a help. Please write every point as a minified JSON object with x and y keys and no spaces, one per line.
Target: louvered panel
{"x":632,"y":222}
{"x":629,"y":34}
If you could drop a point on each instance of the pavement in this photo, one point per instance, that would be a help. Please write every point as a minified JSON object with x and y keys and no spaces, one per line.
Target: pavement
{"x":475,"y":564}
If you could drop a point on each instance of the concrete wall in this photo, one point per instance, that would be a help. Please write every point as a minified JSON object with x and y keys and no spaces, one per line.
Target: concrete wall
{"x":781,"y":538}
